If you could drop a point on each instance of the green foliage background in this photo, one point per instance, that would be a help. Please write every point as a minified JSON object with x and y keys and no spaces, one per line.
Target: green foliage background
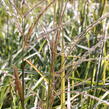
{"x":65,"y":45}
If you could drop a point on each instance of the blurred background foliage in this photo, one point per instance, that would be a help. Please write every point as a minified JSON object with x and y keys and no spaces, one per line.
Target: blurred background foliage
{"x":67,"y":54}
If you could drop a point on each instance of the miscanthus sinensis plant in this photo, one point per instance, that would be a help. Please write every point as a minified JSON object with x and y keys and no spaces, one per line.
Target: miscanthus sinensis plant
{"x":54,"y":54}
